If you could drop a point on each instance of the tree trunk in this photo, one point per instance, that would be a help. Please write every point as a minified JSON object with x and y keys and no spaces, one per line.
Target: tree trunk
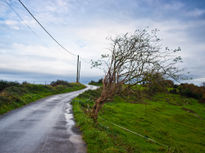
{"x":106,"y":94}
{"x":96,"y":108}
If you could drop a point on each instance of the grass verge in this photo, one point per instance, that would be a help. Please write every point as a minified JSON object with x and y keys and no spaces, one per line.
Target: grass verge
{"x":170,"y":119}
{"x":16,"y":96}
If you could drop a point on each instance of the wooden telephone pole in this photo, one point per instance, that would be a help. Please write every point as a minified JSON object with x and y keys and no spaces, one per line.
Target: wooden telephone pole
{"x":78,"y":70}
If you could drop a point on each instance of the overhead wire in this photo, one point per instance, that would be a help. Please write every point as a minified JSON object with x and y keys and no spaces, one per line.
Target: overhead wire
{"x":21,"y":20}
{"x":49,"y":34}
{"x":19,"y":16}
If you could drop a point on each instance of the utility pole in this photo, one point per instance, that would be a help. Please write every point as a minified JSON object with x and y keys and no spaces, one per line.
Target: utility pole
{"x":79,"y":68}
{"x":77,"y":75}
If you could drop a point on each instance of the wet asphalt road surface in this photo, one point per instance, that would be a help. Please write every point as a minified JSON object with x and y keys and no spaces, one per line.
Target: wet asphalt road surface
{"x":45,"y":126}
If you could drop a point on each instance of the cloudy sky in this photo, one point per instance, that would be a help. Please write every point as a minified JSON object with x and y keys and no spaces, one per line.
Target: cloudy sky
{"x":27,"y":53}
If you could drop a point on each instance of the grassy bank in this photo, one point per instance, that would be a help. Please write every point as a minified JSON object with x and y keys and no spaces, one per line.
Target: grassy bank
{"x":16,"y":95}
{"x":170,"y":119}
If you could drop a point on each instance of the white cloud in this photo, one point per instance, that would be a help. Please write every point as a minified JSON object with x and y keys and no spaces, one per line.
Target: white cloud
{"x":40,"y":59}
{"x":195,"y":13}
{"x":3,"y":8}
{"x":12,"y":24}
{"x":37,"y":59}
{"x":39,"y":50}
{"x":173,"y":5}
{"x":168,"y":5}
{"x":197,"y":81}
{"x":30,"y":22}
{"x":56,"y":61}
{"x":173,"y":33}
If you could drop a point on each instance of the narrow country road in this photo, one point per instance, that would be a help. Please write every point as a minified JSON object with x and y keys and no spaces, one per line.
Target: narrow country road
{"x":45,"y":126}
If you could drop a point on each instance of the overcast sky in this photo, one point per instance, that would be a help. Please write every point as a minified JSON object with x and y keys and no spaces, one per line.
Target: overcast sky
{"x":82,"y":27}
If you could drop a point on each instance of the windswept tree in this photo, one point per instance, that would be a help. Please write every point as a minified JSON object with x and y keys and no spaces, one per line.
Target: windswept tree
{"x":134,"y":59}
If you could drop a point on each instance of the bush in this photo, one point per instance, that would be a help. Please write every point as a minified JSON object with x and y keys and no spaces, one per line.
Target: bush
{"x":100,"y":80}
{"x":16,"y":90}
{"x":156,"y":83}
{"x":3,"y":100}
{"x":175,"y":86}
{"x":98,"y":83}
{"x":5,"y":84}
{"x":203,"y":84}
{"x":168,"y":83}
{"x":61,"y":82}
{"x":191,"y":90}
{"x":202,"y":100}
{"x":25,"y":83}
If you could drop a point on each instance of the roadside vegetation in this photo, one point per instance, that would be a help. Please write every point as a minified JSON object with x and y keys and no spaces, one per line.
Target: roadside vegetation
{"x":174,"y":120}
{"x":14,"y":94}
{"x":96,"y":83}
{"x":190,"y":90}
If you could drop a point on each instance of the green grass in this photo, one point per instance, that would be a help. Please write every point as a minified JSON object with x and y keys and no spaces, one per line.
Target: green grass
{"x":170,"y":119}
{"x":22,"y":94}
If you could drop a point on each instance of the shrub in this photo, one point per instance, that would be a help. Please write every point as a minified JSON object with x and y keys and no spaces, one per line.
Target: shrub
{"x":5,"y":84}
{"x":15,"y":90}
{"x":60,"y":82}
{"x":25,"y":83}
{"x":202,"y":100}
{"x":191,"y":90}
{"x":168,"y":83}
{"x":3,"y":100}
{"x":175,"y":86}
{"x":99,"y":82}
{"x":203,"y":84}
{"x":157,"y":83}
{"x":173,"y":91}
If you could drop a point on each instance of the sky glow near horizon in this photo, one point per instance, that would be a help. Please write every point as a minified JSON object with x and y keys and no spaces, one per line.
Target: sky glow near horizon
{"x":82,"y":26}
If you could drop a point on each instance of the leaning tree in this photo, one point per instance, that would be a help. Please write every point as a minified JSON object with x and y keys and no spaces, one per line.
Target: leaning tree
{"x":133,"y":59}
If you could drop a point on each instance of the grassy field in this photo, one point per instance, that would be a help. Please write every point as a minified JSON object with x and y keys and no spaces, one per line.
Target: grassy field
{"x":170,"y":119}
{"x":18,"y":95}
